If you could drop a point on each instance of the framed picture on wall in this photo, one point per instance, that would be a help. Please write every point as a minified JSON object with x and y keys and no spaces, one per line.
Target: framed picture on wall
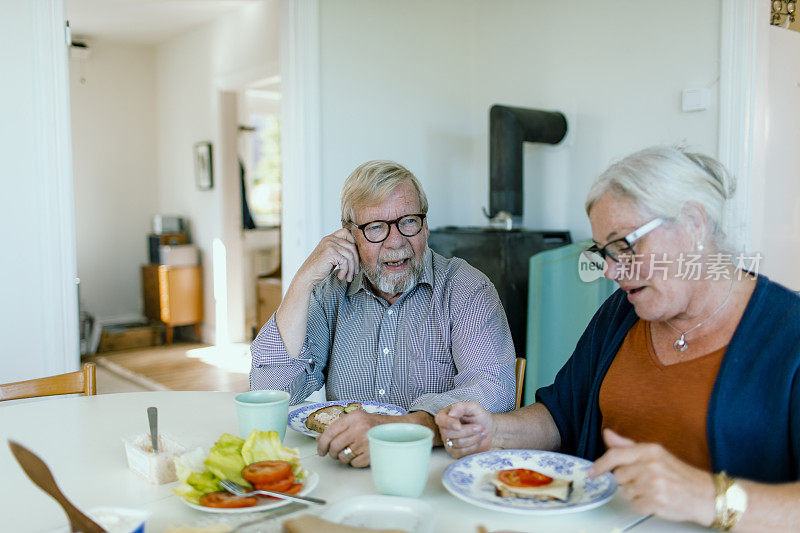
{"x":203,"y":169}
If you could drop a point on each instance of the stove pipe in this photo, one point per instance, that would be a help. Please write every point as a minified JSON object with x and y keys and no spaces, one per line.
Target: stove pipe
{"x":509,"y":127}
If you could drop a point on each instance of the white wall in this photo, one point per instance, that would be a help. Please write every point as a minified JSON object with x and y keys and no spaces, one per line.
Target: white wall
{"x":775,"y":229}
{"x":396,"y":84}
{"x":191,"y":70}
{"x":413,"y":81}
{"x":114,"y":163}
{"x":38,"y":315}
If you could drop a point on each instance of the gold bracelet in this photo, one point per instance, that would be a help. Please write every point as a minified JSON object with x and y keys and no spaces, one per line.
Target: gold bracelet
{"x":730,"y":502}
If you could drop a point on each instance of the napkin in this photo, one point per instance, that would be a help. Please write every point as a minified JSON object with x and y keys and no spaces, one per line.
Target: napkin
{"x":313,"y":524}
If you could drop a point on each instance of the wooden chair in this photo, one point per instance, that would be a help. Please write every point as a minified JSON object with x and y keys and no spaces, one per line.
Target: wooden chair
{"x":519,"y":372}
{"x":81,"y":381}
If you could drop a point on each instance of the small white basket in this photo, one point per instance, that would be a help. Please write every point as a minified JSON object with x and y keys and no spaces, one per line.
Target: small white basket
{"x":157,"y":468}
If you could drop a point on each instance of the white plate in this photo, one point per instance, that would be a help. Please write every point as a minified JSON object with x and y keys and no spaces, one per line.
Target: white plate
{"x":298,"y":415}
{"x":468,"y":479}
{"x":310,"y":483}
{"x":383,"y":512}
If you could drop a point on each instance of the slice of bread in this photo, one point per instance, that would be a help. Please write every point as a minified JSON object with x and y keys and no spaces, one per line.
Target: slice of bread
{"x":320,"y":419}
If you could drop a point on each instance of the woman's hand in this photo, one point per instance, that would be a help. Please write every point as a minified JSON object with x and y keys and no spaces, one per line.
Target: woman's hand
{"x":656,"y":482}
{"x":466,"y":428}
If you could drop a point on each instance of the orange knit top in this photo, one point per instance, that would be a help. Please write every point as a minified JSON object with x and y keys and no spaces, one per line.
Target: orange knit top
{"x":647,"y":401}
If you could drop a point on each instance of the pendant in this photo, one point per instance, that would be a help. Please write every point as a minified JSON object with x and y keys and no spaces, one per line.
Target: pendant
{"x":680,"y":344}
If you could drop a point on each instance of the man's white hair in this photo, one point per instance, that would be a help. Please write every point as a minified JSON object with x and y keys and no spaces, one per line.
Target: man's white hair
{"x":372,"y":182}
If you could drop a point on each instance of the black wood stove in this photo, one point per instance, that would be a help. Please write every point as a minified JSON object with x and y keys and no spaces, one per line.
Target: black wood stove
{"x":502,"y":250}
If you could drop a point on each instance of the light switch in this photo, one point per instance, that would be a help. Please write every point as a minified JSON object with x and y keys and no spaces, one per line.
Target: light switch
{"x":695,"y":99}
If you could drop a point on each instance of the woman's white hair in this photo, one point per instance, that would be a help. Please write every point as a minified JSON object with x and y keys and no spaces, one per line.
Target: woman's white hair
{"x":372,"y":182}
{"x":661,"y":180}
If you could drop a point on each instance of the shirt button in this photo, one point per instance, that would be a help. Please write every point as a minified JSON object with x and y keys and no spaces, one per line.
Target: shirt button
{"x":385,"y":351}
{"x":381,"y":392}
{"x":389,"y":312}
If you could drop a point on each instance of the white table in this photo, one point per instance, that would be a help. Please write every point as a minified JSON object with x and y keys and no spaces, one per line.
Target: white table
{"x":80,"y":439}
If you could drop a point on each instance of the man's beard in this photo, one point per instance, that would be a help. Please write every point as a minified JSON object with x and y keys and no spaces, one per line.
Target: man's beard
{"x":389,"y":283}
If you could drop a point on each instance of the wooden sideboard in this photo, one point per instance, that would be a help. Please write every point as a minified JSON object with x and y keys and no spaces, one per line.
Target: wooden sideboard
{"x":173,"y":295}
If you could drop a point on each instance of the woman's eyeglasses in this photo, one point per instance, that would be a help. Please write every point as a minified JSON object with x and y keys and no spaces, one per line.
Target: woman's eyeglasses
{"x":621,"y":250}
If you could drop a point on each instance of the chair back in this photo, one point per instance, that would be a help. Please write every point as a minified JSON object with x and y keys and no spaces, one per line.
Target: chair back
{"x":560,"y":306}
{"x":81,"y":381}
{"x":519,"y":373}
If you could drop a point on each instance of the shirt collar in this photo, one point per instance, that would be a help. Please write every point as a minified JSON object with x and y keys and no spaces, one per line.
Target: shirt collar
{"x":360,"y":283}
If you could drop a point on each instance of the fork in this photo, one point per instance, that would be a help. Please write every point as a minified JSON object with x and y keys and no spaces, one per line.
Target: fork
{"x":238,"y":490}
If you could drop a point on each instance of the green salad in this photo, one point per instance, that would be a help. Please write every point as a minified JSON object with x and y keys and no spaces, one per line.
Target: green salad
{"x":199,"y":472}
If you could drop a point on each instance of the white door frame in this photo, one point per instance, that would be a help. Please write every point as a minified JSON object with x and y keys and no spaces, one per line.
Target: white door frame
{"x":46,"y":134}
{"x":301,"y":177}
{"x":229,"y":254}
{"x":54,"y":137}
{"x":741,"y":24}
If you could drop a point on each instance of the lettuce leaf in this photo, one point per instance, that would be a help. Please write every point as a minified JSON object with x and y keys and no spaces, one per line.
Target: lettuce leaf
{"x":188,"y":493}
{"x":205,"y":482}
{"x":200,"y":473}
{"x":190,"y":462}
{"x":266,"y":446}
{"x":195,"y":479}
{"x":225,"y":459}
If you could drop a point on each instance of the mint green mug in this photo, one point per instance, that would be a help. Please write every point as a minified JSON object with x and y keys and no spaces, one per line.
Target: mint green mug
{"x":264,"y":410}
{"x":400,"y":455}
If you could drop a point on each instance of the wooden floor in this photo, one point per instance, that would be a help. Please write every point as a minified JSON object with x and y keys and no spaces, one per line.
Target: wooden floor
{"x":180,"y":366}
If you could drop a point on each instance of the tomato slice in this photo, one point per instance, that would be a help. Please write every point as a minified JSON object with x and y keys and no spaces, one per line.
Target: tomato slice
{"x":522,"y":477}
{"x":266,"y":471}
{"x":280,"y":485}
{"x":226,"y":500}
{"x":294,"y":489}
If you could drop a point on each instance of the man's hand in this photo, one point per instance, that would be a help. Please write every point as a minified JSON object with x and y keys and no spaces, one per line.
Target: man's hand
{"x":350,"y":431}
{"x":335,"y":250}
{"x":657,"y":482}
{"x":466,"y":428}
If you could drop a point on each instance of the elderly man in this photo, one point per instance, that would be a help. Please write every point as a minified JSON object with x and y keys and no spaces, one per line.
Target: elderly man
{"x":375,"y":315}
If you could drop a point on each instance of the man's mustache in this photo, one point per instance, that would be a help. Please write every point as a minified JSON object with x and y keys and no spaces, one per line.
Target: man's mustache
{"x":391,"y":256}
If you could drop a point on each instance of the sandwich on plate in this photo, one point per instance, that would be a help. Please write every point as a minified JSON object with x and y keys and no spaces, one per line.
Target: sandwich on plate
{"x":320,"y":419}
{"x":525,"y":483}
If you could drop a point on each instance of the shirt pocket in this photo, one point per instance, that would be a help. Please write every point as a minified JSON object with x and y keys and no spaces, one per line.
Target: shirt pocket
{"x":431,"y":372}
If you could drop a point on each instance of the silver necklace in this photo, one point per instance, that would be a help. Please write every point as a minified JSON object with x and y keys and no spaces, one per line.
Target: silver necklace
{"x":681,"y":345}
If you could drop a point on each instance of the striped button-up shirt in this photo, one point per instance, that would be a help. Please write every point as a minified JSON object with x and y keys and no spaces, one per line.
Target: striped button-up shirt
{"x":443,"y":341}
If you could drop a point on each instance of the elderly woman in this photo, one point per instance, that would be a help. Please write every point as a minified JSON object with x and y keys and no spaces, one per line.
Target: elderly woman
{"x":685,"y":384}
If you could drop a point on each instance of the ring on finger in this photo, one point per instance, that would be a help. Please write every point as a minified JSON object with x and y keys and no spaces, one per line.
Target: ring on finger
{"x":449,"y":443}
{"x":348,"y":452}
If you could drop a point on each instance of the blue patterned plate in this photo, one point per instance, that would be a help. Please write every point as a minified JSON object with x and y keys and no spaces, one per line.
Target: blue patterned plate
{"x":298,"y":415}
{"x":468,"y":479}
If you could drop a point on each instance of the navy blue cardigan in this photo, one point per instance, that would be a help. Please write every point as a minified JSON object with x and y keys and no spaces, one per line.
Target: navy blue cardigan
{"x":753,"y":421}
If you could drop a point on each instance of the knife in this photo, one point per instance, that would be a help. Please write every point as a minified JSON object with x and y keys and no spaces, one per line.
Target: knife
{"x":636,"y":522}
{"x":37,"y":471}
{"x":280,"y":511}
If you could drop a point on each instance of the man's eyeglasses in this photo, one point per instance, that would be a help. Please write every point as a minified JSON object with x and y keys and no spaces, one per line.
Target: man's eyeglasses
{"x":621,"y":250}
{"x":378,"y":230}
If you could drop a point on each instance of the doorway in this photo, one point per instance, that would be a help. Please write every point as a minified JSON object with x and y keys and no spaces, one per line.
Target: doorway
{"x":261,"y":180}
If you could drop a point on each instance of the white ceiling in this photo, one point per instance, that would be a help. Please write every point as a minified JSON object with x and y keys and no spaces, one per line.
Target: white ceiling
{"x":143,"y":21}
